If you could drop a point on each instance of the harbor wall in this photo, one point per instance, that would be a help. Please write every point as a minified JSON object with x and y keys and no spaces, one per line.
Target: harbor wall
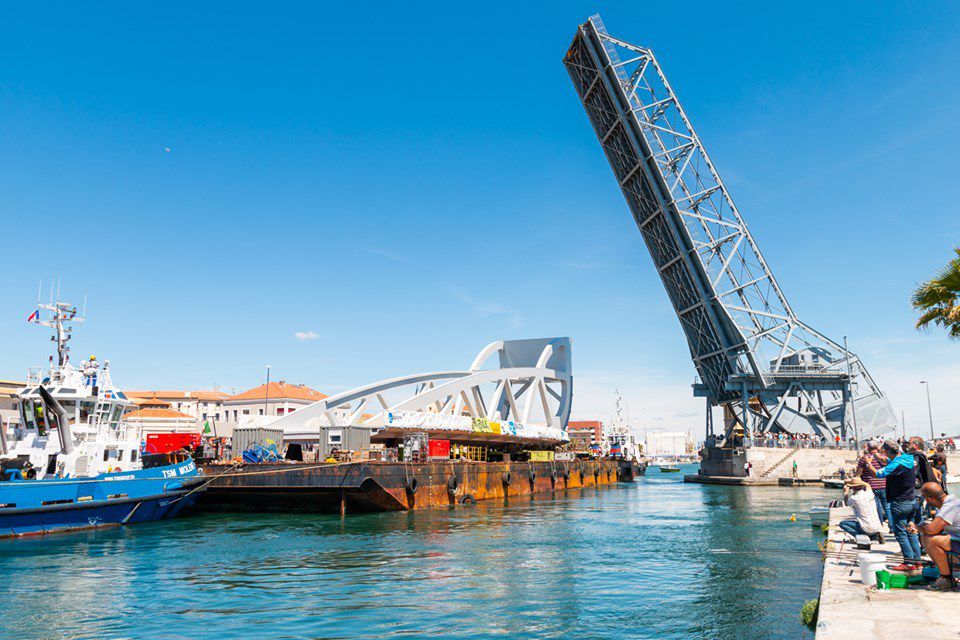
{"x":773,"y":463}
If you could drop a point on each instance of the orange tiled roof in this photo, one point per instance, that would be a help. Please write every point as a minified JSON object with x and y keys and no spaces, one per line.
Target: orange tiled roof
{"x":156,"y":413}
{"x":280,"y":391}
{"x":149,"y":402}
{"x":200,"y":394}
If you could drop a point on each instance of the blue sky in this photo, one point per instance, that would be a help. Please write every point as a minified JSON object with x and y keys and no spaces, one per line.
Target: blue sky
{"x":408,"y":183}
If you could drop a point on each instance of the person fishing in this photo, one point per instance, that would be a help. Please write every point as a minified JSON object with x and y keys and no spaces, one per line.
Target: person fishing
{"x":867,"y":466}
{"x":901,"y":477}
{"x":941,"y":534}
{"x":866,"y":520}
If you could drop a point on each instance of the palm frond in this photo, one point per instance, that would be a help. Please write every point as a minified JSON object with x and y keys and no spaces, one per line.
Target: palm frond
{"x":934,"y":316}
{"x":939,"y":299}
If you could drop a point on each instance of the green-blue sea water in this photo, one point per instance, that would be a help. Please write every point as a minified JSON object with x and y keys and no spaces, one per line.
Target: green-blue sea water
{"x":652,"y":559}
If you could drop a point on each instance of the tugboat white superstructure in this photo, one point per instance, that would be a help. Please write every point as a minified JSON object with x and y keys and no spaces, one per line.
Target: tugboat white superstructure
{"x":72,"y":462}
{"x":93,"y":439}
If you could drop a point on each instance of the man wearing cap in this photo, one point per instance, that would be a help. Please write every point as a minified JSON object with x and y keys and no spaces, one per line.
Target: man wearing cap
{"x":860,"y":499}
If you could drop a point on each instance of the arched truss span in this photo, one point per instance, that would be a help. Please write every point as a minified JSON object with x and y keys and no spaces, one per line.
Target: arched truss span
{"x":530,"y":388}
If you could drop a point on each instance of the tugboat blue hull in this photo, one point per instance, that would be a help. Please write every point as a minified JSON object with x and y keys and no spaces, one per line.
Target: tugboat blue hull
{"x":57,"y":506}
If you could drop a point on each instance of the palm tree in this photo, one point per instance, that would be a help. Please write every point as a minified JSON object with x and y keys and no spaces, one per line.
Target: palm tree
{"x":939,"y":300}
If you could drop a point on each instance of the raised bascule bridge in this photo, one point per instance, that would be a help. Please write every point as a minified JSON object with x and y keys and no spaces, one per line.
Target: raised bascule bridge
{"x":770,"y":371}
{"x":504,"y":416}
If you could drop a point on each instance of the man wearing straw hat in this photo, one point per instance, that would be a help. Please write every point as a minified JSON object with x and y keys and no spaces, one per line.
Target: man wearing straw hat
{"x":860,"y":499}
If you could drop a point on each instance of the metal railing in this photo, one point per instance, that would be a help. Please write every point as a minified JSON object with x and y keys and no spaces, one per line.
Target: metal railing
{"x":774,"y":442}
{"x":810,"y":371}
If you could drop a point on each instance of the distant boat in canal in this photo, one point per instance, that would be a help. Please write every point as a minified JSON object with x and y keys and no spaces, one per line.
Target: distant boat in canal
{"x":832,"y":482}
{"x":72,"y":463}
{"x":668,"y":466}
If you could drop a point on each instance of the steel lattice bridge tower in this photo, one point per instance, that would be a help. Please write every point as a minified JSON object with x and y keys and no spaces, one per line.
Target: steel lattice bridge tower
{"x":769,"y":370}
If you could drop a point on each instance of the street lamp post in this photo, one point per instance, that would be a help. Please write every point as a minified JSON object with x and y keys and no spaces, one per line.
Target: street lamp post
{"x":853,"y":408}
{"x":929,"y":408}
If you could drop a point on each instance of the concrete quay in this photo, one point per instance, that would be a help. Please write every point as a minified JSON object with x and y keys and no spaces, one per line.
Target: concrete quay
{"x":851,"y":611}
{"x":752,"y":481}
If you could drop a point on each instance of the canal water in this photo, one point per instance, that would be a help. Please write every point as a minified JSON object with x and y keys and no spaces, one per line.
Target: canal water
{"x":653,"y":559}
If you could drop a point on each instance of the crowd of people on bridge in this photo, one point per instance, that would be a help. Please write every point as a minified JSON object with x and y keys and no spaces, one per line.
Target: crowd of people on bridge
{"x":904,"y":485}
{"x":799,"y":441}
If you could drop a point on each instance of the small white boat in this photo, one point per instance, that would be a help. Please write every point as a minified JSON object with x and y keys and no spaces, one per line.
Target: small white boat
{"x":819,"y":516}
{"x":832,"y":482}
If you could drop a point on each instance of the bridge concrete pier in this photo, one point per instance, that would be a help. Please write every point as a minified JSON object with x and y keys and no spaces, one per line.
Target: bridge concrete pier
{"x":770,"y":465}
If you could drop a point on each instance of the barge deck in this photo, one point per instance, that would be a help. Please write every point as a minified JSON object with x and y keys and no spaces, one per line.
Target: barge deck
{"x":398,"y":486}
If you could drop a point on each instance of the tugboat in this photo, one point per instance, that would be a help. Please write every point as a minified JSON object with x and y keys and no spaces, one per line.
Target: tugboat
{"x":72,"y":463}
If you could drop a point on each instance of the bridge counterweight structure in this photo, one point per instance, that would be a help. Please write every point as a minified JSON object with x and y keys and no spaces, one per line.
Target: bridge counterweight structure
{"x":750,"y":350}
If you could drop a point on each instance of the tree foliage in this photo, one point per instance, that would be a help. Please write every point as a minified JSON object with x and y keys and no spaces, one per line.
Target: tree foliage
{"x":938,"y":300}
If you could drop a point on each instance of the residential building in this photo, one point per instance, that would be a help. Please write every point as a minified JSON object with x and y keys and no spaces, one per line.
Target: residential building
{"x":162,"y":421}
{"x":280,"y":398}
{"x":149,"y":403}
{"x":584,"y":433}
{"x":201,"y":404}
{"x":9,"y":389}
{"x":672,"y":444}
{"x":10,"y":403}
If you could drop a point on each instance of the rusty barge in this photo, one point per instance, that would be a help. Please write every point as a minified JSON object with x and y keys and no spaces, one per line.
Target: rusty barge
{"x":397,"y":486}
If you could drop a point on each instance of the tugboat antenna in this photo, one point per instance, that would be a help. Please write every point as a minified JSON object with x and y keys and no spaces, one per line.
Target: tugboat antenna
{"x":62,"y":314}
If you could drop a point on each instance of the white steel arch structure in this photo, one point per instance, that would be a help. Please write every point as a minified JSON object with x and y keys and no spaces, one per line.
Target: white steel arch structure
{"x":529,"y":393}
{"x":745,"y":340}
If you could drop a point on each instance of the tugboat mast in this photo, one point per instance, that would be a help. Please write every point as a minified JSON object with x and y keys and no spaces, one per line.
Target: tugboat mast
{"x":62,"y":313}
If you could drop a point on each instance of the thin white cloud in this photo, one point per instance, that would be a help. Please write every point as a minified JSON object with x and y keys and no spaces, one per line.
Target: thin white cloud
{"x":389,"y":255}
{"x":490,"y":309}
{"x":654,"y":398}
{"x":306,"y":335}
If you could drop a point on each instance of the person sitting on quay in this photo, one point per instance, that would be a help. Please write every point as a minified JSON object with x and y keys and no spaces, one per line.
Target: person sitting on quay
{"x":901,"y":489}
{"x":867,"y":520}
{"x":941,"y":534}
{"x":867,"y":466}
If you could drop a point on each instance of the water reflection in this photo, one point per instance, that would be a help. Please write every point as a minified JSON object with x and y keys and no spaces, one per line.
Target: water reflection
{"x":654,"y":559}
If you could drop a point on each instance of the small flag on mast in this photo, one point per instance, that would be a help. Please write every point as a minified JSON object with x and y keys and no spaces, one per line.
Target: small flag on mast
{"x":34,"y":317}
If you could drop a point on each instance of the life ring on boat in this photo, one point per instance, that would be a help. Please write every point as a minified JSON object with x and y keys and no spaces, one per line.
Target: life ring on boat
{"x":412,"y":485}
{"x":31,"y":474}
{"x":468,"y":499}
{"x":506,"y":478}
{"x":452,"y":485}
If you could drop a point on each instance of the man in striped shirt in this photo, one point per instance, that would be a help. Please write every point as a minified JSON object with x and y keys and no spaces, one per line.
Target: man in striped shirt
{"x":867,"y":466}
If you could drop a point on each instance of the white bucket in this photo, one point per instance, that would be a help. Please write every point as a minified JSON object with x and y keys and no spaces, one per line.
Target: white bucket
{"x":870,"y":563}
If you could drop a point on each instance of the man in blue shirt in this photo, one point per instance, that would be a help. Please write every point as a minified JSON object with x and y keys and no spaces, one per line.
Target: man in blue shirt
{"x":901,"y":477}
